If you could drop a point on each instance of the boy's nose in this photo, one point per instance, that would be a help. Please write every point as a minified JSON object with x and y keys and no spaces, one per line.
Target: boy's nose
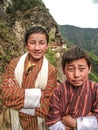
{"x":76,"y":73}
{"x":37,"y":46}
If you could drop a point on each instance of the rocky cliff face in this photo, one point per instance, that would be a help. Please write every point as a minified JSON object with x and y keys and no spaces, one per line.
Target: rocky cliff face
{"x":15,"y":18}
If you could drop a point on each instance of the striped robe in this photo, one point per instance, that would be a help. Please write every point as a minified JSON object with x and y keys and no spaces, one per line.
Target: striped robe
{"x":77,"y":102}
{"x":14,"y":98}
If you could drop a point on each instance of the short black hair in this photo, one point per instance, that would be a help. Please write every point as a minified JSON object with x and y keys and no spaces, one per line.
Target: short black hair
{"x":75,"y":53}
{"x":36,"y":29}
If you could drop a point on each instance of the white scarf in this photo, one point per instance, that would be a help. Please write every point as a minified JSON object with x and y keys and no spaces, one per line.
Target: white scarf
{"x":41,"y":83}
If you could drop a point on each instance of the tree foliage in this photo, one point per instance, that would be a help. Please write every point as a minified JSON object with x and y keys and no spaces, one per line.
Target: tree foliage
{"x":23,"y":5}
{"x":86,"y":38}
{"x":51,"y":56}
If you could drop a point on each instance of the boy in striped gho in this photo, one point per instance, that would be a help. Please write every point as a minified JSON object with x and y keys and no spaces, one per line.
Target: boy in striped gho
{"x":29,"y":82}
{"x":74,"y":104}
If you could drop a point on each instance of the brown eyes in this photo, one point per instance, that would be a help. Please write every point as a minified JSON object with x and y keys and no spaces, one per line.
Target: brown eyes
{"x":42,"y":43}
{"x":82,"y":69}
{"x":71,"y":69}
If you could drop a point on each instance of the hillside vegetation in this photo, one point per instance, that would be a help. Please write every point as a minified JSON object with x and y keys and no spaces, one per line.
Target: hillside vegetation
{"x":86,"y":38}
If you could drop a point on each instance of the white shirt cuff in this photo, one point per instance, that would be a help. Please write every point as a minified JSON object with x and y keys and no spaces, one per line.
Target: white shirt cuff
{"x":57,"y":126}
{"x":28,"y":111}
{"x":32,"y":98}
{"x":87,"y":123}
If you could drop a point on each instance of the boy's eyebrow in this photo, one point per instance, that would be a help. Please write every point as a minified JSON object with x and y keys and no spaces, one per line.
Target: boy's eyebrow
{"x":73,"y":65}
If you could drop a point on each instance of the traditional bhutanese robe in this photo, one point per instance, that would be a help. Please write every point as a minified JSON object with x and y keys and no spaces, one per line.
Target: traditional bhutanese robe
{"x":74,"y":101}
{"x":14,"y":98}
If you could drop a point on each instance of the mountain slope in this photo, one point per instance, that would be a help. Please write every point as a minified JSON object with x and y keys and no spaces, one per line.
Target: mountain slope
{"x":86,"y":38}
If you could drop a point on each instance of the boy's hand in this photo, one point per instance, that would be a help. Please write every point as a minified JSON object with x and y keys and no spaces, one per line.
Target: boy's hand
{"x":90,"y":114}
{"x":69,"y":128}
{"x":69,"y":121}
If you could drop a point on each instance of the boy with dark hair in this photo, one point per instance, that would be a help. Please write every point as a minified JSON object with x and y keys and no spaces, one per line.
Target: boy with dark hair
{"x":29,"y":82}
{"x":74,"y":104}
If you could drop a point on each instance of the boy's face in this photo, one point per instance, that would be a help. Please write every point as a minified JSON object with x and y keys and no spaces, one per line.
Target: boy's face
{"x":77,"y":72}
{"x":37,"y":45}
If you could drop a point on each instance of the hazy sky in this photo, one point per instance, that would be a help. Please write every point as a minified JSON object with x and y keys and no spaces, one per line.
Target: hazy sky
{"x":81,"y":13}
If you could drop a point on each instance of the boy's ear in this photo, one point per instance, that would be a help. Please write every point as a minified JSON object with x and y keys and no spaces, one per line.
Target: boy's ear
{"x":90,"y":68}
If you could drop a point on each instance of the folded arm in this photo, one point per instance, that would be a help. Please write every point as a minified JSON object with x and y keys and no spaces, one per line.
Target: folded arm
{"x":88,"y":122}
{"x":15,"y":96}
